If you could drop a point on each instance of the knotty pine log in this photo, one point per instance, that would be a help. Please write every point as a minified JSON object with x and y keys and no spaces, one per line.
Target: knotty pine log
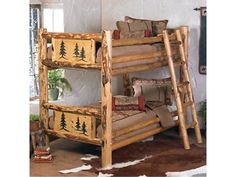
{"x":189,"y":89}
{"x":84,"y":110}
{"x":176,"y":93}
{"x":106,"y":106}
{"x":94,"y":141}
{"x":43,"y":79}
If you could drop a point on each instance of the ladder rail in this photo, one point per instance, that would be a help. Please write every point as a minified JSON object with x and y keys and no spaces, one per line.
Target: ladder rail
{"x":189,"y":88}
{"x":182,"y":123}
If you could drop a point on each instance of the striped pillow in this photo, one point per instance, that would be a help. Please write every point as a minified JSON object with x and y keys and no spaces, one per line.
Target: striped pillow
{"x":128,"y":103}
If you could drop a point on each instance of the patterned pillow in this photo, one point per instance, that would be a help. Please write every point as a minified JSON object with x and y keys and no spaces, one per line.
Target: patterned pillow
{"x":157,"y":26}
{"x":132,"y":30}
{"x":133,"y":34}
{"x":128,"y":103}
{"x":153,"y":89}
{"x":135,"y":26}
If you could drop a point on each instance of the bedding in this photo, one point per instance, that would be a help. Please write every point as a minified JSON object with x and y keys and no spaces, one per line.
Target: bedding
{"x":128,"y":103}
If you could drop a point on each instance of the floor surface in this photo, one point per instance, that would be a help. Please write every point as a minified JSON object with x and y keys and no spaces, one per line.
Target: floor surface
{"x":166,"y":150}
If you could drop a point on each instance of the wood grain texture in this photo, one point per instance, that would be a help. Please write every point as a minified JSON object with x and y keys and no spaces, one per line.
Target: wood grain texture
{"x":176,"y":92}
{"x":106,"y":106}
{"x":137,"y":57}
{"x":43,"y":79}
{"x":76,"y":124}
{"x":189,"y":89}
{"x":139,"y":137}
{"x":85,"y":110}
{"x":63,"y":64}
{"x":95,"y":36}
{"x":139,"y":41}
{"x":127,"y":85}
{"x":69,"y":136}
{"x":140,"y":125}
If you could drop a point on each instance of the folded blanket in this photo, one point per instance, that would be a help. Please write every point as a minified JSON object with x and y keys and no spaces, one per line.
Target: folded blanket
{"x":165,"y":116}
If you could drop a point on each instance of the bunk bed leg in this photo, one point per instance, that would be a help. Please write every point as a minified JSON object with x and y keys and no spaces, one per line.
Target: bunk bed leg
{"x":106,"y":106}
{"x":43,"y":80}
{"x":126,"y":85}
{"x":43,"y":71}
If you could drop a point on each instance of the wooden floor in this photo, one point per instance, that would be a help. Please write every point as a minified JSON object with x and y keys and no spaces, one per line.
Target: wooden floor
{"x":166,"y":150}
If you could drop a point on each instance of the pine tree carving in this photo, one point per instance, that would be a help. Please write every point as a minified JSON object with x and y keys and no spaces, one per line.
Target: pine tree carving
{"x":76,"y":51}
{"x":62,"y":50}
{"x":63,"y":122}
{"x":82,"y":54}
{"x":84,"y":131}
{"x":78,"y":126}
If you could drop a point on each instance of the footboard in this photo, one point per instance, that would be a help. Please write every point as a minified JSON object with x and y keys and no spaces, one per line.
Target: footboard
{"x":73,"y":122}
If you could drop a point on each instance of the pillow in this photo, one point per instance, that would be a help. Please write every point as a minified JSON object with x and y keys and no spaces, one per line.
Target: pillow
{"x":153,"y":89}
{"x":135,"y":26}
{"x":157,"y":26}
{"x":128,"y":103}
{"x":133,"y":34}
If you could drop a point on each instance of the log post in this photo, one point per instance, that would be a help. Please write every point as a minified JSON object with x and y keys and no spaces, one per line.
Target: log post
{"x":106,"y":106}
{"x":184,"y":30}
{"x":126,"y":85}
{"x":43,"y":79}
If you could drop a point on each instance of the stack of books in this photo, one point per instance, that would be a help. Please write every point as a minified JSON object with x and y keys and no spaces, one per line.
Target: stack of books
{"x":42,"y":155}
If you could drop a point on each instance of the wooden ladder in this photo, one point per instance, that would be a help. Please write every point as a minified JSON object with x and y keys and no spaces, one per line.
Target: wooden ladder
{"x":179,"y":88}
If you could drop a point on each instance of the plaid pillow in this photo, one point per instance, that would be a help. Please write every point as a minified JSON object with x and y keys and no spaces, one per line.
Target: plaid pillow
{"x":128,"y":103}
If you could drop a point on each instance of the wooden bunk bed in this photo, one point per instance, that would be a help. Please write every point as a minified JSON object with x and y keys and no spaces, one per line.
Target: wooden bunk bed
{"x":92,"y":114}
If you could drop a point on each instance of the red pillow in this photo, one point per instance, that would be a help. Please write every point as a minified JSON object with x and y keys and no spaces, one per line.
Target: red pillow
{"x":128,"y":103}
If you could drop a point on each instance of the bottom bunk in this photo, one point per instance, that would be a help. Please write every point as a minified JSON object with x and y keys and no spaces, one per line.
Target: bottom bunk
{"x":128,"y":126}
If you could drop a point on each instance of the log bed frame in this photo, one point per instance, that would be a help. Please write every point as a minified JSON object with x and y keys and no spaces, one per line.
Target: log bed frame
{"x":105,"y":111}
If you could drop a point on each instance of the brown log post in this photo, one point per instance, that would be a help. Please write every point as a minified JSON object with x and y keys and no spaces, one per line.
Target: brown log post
{"x":106,"y":106}
{"x":126,"y":85}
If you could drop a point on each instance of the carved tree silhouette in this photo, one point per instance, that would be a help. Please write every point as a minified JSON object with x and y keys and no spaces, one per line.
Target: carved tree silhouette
{"x":78,"y":126}
{"x":63,"y":122}
{"x":76,"y":51}
{"x":62,"y":50}
{"x":84,"y":129}
{"x":82,"y":54}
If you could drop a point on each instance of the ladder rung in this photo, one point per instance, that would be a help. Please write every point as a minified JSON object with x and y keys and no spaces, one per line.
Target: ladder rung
{"x":181,"y":84}
{"x":190,"y":125}
{"x":175,"y":42}
{"x":179,"y":63}
{"x":189,"y":103}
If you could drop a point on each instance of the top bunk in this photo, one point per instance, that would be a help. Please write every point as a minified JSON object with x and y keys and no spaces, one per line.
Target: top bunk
{"x":87,"y":50}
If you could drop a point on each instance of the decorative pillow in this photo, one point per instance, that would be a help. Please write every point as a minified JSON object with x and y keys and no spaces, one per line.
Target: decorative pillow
{"x":157,"y":26}
{"x":153,"y":89}
{"x":135,"y":26}
{"x":133,"y":34}
{"x":128,"y":103}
